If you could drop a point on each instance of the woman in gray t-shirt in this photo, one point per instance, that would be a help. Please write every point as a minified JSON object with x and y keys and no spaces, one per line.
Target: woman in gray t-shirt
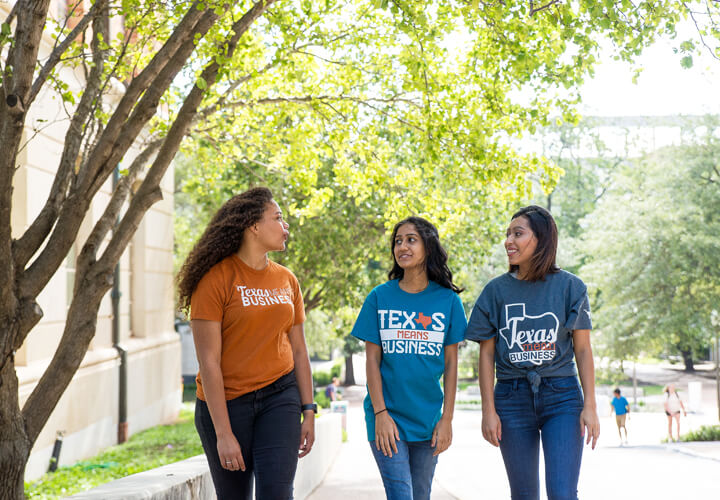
{"x":533,"y":325}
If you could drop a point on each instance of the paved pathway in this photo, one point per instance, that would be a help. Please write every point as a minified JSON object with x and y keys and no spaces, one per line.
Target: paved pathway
{"x":473,"y":469}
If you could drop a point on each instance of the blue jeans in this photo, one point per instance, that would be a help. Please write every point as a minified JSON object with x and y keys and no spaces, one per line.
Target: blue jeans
{"x":409,"y":473}
{"x":552,"y":414}
{"x":266,"y":424}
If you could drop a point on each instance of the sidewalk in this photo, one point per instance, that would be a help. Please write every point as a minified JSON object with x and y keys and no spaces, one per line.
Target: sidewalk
{"x":354,"y":475}
{"x":472,"y":468}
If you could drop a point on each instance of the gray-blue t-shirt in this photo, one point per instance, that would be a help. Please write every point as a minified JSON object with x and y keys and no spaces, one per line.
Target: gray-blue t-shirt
{"x":533,"y":322}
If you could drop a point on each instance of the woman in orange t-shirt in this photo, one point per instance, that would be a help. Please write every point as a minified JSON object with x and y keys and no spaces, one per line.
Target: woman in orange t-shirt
{"x":247,"y":320}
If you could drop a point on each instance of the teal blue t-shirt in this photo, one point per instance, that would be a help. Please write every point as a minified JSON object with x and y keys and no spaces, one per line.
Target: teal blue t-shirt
{"x":413,"y":330}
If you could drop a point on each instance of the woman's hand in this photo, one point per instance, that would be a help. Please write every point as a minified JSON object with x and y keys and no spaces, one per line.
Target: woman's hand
{"x":386,"y":433}
{"x":442,"y":436}
{"x":307,"y":433}
{"x":229,"y":452}
{"x":492,"y":428}
{"x":590,"y":425}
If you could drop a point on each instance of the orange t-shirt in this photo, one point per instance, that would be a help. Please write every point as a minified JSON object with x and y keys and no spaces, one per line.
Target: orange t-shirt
{"x":256,"y":309}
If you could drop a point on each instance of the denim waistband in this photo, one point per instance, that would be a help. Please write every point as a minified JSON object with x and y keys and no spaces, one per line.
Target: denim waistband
{"x":532,"y":378}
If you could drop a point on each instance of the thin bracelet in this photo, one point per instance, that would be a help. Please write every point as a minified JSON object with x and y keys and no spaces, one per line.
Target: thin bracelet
{"x":379,"y":412}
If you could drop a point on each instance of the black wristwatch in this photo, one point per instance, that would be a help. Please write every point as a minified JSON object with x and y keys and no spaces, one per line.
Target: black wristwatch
{"x":310,"y":406}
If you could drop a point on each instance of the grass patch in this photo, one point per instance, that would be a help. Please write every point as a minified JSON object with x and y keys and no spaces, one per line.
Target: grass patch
{"x":652,"y":390}
{"x":704,"y":433}
{"x":145,"y":450}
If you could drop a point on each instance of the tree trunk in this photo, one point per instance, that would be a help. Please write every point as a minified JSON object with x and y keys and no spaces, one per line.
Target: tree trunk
{"x":688,"y":360}
{"x":349,"y":371}
{"x":14,"y":443}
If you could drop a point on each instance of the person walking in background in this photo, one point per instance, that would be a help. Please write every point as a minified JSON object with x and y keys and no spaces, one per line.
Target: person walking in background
{"x":673,"y":406}
{"x":533,"y":324}
{"x":621,"y":407}
{"x":254,"y":382}
{"x":411,"y":326}
{"x":331,"y":389}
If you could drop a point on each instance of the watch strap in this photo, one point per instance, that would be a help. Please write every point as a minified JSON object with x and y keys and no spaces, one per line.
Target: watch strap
{"x":310,"y":406}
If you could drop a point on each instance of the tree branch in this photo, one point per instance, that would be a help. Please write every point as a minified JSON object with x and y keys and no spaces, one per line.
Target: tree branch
{"x":113,"y":144}
{"x":56,"y":55}
{"x":699,"y":30}
{"x":15,"y":84}
{"x":109,"y":217}
{"x":82,"y":316}
{"x":118,"y":137}
{"x":534,"y":10}
{"x":149,"y":191}
{"x":33,"y":238}
{"x":79,"y":331}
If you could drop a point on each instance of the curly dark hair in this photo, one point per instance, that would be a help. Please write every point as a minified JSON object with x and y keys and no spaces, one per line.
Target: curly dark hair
{"x":435,"y":255}
{"x":222,"y":238}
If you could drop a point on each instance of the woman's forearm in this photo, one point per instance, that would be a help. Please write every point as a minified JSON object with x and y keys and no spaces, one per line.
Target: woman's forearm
{"x":214,"y":391}
{"x":301,"y":360}
{"x":450,"y":380}
{"x":585,"y":365}
{"x":208,"y":346}
{"x":486,"y":371}
{"x":374,"y":379}
{"x":303,"y":374}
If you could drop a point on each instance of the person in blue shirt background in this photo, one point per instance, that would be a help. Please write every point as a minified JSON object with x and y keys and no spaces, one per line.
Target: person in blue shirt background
{"x":411,"y":326}
{"x":621,"y":408}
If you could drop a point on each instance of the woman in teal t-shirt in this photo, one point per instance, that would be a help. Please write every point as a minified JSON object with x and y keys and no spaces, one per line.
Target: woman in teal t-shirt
{"x":411,"y":326}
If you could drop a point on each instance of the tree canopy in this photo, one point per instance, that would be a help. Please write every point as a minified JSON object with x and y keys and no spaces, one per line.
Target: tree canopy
{"x":654,"y":251}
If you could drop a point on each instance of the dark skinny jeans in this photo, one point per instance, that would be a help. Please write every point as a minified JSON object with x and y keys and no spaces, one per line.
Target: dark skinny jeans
{"x":266,"y":424}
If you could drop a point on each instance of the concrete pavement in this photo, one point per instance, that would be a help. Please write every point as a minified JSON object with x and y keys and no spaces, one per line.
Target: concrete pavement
{"x":472,"y":468}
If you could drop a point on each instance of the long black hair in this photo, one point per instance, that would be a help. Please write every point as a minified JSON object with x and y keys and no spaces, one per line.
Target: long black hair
{"x":435,"y":255}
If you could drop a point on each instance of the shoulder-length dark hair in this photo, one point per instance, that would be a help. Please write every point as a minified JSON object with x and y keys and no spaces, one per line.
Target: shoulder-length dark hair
{"x":543,"y":227}
{"x":222,"y":238}
{"x":435,"y":255}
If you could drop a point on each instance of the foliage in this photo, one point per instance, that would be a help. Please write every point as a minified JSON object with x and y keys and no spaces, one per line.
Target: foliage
{"x":321,"y":379}
{"x":655,"y":251}
{"x":609,"y":374}
{"x":358,"y":116}
{"x":704,"y":433}
{"x":145,"y":450}
{"x":321,"y":399}
{"x":468,"y":353}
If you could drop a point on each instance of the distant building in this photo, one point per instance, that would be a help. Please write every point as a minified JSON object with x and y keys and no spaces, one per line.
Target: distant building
{"x":88,"y":411}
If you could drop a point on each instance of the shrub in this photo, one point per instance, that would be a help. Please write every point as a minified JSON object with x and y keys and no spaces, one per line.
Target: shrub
{"x":704,"y":433}
{"x":321,"y":399}
{"x":336,"y":370}
{"x":321,"y":379}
